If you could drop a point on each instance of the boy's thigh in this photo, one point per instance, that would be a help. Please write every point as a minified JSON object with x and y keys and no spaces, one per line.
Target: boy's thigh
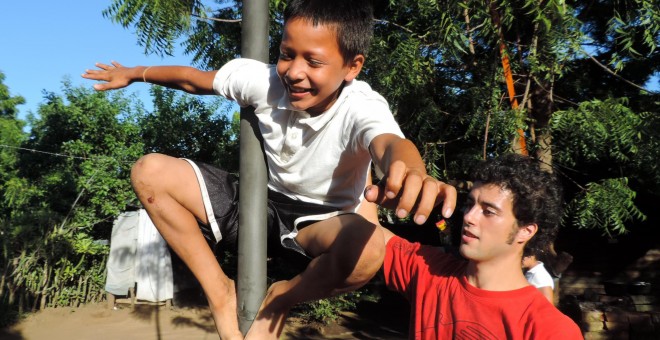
{"x":347,"y":231}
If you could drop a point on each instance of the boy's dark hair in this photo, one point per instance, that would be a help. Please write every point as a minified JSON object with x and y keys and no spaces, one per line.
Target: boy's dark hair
{"x":537,"y":194}
{"x":352,"y":20}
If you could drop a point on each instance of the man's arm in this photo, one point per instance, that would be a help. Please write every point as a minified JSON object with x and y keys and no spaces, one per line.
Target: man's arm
{"x":406,"y":187}
{"x":183,"y":78}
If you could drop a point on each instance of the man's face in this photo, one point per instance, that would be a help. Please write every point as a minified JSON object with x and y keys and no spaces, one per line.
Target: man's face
{"x":311,"y":66}
{"x":489,"y":226}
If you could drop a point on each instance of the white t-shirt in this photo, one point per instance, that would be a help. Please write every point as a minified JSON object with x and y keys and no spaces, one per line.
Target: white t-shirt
{"x":323,"y":159}
{"x":539,"y":277}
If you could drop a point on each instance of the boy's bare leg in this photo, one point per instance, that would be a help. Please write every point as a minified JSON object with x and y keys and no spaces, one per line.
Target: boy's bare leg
{"x":169,"y":191}
{"x":348,"y":251}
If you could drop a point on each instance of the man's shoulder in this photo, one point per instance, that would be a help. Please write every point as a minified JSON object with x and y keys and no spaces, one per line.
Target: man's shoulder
{"x":549,"y":322}
{"x":432,"y":255}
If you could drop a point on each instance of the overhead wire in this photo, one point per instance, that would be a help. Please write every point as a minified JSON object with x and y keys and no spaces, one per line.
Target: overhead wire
{"x":99,"y":158}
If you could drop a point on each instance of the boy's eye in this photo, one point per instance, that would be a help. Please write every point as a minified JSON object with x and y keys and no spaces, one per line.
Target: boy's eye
{"x":488,"y":212}
{"x":315,"y":63}
{"x":284,"y":56}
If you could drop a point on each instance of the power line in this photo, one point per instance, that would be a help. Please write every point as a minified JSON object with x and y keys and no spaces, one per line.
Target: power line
{"x":96,"y":158}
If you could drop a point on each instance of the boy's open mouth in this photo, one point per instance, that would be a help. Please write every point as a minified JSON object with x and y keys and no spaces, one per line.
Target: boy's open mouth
{"x":298,"y":89}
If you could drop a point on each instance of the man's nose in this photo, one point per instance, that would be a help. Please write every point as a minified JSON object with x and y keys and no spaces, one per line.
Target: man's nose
{"x":469,"y":214}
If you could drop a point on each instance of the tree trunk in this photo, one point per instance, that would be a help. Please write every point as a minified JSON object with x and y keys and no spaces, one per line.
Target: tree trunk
{"x":518,"y":143}
{"x":541,"y":110}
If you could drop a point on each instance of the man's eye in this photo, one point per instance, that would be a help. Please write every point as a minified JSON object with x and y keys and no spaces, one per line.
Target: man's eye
{"x":488,"y":212}
{"x":284,"y":56}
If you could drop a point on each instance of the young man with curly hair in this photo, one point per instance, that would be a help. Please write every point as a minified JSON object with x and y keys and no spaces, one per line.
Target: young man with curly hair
{"x":484,"y":294}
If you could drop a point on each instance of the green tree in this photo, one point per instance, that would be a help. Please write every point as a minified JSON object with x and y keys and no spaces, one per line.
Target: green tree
{"x":444,"y":68}
{"x":11,"y":137}
{"x":71,"y":180}
{"x":183,"y":125}
{"x":447,"y":84}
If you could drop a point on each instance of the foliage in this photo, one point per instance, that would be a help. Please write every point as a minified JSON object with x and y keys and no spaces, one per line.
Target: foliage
{"x":607,"y":139}
{"x":68,"y":179}
{"x":440,"y":66}
{"x":597,"y":130}
{"x":328,"y":310}
{"x":592,"y":208}
{"x":209,"y":137}
{"x":575,"y":68}
{"x":61,"y":198}
{"x":162,"y":22}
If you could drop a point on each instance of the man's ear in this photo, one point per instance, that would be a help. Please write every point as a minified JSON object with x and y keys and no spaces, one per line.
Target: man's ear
{"x":526,"y":232}
{"x":354,"y":67}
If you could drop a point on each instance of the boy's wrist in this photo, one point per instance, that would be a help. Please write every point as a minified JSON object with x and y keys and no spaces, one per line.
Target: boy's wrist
{"x":144,"y":74}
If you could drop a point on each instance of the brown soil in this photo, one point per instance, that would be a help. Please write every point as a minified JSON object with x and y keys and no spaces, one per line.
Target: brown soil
{"x":99,"y":322}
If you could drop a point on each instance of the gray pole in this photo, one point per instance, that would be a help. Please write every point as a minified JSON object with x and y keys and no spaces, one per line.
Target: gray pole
{"x":253,"y":179}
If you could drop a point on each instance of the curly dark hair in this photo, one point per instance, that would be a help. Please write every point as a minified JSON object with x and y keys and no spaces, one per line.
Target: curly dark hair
{"x":537,"y":194}
{"x":352,"y":20}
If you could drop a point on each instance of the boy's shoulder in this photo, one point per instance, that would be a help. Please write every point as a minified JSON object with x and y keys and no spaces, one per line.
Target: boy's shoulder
{"x":359,"y":92}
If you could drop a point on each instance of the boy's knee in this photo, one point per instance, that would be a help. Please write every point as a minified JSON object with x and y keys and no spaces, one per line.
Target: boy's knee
{"x":145,"y":168}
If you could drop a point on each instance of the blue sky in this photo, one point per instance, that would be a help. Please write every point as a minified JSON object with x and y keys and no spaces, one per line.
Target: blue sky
{"x":45,"y":41}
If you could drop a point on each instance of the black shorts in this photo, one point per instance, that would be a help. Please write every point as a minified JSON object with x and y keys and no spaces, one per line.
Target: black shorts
{"x":285,"y":215}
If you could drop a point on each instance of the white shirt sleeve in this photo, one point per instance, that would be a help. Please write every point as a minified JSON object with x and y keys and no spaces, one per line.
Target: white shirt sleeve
{"x":539,"y":277}
{"x":243,"y":80}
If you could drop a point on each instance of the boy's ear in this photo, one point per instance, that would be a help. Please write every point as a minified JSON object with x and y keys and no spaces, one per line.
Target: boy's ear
{"x":526,"y":232}
{"x":354,"y":67}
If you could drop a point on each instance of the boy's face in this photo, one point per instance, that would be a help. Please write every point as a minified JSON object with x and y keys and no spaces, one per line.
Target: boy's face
{"x":311,"y":66}
{"x":528,"y":262}
{"x":490,"y":230}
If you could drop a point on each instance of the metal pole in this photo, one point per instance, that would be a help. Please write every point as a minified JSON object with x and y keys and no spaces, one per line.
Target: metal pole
{"x":253,"y":180}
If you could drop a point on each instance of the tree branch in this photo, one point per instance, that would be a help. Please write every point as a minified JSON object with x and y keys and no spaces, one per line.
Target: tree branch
{"x":614,"y":73}
{"x":216,"y":19}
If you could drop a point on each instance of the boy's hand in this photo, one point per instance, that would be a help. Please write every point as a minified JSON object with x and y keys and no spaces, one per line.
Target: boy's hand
{"x":115,"y":76}
{"x":409,"y":191}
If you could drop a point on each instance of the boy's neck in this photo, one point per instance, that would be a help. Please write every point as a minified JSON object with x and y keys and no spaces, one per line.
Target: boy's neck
{"x":331,"y":104}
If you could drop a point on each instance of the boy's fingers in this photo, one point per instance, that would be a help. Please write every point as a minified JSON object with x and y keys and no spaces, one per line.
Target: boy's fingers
{"x":394,"y":180}
{"x":447,"y":193}
{"x":427,"y":200}
{"x":103,"y":66}
{"x":372,"y":193}
{"x":412,"y":188}
{"x":100,"y":87}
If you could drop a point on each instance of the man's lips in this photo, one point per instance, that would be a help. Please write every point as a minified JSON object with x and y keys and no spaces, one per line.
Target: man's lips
{"x":467,"y":233}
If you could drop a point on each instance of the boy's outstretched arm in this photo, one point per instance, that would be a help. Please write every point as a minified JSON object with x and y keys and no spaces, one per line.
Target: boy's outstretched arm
{"x":406,"y":187}
{"x":185,"y":78}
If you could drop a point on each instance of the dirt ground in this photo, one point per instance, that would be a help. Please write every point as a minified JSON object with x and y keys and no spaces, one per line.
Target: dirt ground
{"x":100,"y":322}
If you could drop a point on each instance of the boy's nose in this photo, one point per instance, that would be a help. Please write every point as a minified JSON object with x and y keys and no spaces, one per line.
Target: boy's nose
{"x":295,"y":70}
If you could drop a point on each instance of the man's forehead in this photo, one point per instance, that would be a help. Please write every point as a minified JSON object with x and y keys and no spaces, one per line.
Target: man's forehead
{"x":490,"y":189}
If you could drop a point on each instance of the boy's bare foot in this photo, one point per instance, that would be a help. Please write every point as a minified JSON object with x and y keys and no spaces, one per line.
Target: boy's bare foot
{"x":270,"y":320}
{"x":225,"y":314}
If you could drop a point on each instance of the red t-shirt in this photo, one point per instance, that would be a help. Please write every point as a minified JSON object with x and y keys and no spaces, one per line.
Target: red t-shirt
{"x":445,"y":306}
